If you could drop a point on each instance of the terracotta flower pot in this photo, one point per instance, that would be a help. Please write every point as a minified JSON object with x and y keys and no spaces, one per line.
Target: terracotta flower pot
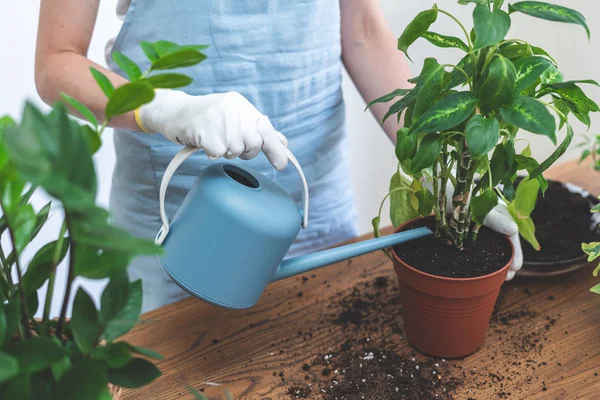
{"x":446,"y":317}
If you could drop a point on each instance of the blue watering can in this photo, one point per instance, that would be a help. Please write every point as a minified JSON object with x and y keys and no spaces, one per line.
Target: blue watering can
{"x":229,"y":238}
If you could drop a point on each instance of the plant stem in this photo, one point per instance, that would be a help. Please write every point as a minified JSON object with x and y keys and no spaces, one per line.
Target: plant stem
{"x":51,"y":280}
{"x":70,"y":277}
{"x":22,"y":297}
{"x":474,"y":232}
{"x":469,"y":43}
{"x":460,"y":199}
{"x":6,"y":272}
{"x":442,"y":194}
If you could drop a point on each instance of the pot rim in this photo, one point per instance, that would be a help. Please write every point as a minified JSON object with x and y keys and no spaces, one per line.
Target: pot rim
{"x":445,"y":278}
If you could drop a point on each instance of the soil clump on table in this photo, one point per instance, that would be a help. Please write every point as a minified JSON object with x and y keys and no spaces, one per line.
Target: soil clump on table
{"x":374,"y":361}
{"x":562,"y":222}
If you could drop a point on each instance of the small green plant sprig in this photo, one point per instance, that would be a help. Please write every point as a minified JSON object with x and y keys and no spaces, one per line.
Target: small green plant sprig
{"x":591,"y":149}
{"x":593,"y":251}
{"x":76,"y":359}
{"x":455,"y":115}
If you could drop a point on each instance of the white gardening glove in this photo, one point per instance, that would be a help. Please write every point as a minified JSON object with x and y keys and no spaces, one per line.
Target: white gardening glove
{"x":223,"y":124}
{"x":500,"y":220}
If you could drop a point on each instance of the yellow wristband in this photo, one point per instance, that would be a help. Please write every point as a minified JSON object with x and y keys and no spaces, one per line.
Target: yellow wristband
{"x":138,"y":120}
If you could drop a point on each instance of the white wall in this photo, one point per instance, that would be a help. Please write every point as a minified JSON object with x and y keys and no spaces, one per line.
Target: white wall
{"x":372,"y":154}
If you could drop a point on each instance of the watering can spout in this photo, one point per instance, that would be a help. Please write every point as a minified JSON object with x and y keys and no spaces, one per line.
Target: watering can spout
{"x":303,"y":264}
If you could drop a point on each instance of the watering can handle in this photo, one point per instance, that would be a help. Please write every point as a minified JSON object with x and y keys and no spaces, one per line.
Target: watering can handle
{"x":183,"y":155}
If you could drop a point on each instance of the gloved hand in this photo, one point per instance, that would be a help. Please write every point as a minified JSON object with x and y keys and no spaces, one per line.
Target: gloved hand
{"x":500,"y":220}
{"x":223,"y":124}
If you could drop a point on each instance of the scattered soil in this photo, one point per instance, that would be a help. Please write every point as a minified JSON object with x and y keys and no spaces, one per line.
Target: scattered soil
{"x":433,"y":256}
{"x":562,"y":222}
{"x":373,"y":360}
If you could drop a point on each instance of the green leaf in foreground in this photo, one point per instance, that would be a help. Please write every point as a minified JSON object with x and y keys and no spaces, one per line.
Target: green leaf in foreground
{"x":491,"y":27}
{"x":406,"y":145}
{"x":440,"y":40}
{"x":418,"y":26}
{"x":403,"y":203}
{"x":559,"y":151}
{"x":127,"y":65}
{"x":104,"y":83}
{"x":179,"y":59}
{"x":529,"y":70}
{"x":482,"y":134}
{"x":81,"y":109}
{"x":129,"y":315}
{"x":9,"y":367}
{"x":137,"y":373}
{"x":388,"y":97}
{"x":522,"y":206}
{"x":85,"y":380}
{"x":482,"y":205}
{"x":446,"y":113}
{"x":36,"y":354}
{"x":531,"y":115}
{"x":431,"y":85}
{"x":169,"y":81}
{"x":498,"y":84}
{"x":129,"y":97}
{"x":550,"y":12}
{"x":429,"y":149}
{"x":85,"y":323}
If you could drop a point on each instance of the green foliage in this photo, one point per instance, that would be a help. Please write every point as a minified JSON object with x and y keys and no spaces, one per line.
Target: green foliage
{"x":52,"y":152}
{"x":456,"y":114}
{"x":593,"y":252}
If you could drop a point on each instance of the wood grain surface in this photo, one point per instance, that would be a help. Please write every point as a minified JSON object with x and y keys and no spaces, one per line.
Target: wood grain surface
{"x":245,"y":350}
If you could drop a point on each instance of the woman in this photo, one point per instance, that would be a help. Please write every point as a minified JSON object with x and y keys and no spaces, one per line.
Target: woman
{"x":273,"y":66}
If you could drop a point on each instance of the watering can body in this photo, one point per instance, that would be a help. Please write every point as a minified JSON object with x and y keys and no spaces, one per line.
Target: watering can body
{"x":227,"y":241}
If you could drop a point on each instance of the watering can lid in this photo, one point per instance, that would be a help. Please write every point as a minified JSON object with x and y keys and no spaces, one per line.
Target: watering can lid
{"x":183,"y":155}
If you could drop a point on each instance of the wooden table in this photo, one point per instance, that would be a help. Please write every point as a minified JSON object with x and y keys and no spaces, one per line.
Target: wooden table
{"x":242,"y":349}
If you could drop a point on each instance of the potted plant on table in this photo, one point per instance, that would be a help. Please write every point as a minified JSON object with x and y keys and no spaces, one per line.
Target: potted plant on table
{"x":58,"y":358}
{"x":454,"y":116}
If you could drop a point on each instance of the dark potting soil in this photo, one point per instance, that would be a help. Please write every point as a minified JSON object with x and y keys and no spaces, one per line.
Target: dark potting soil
{"x":562,"y":222}
{"x":490,"y":253}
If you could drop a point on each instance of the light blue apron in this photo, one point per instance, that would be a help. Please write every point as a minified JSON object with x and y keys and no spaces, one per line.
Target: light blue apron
{"x":285,"y":57}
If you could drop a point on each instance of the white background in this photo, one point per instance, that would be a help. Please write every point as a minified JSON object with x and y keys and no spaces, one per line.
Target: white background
{"x":372,"y":154}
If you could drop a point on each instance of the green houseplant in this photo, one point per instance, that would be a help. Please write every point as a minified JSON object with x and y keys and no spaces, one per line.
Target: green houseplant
{"x":454,"y":117}
{"x":58,"y":358}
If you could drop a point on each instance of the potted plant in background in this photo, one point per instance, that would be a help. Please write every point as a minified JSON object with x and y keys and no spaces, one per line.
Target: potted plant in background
{"x":454,"y":116}
{"x":78,"y":358}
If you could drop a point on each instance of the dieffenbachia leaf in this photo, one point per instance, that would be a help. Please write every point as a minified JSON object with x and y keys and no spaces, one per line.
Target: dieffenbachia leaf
{"x":531,"y":115}
{"x":550,"y":12}
{"x":406,"y":145}
{"x":596,"y":209}
{"x":491,"y":27}
{"x":522,"y":206}
{"x":426,"y":201}
{"x":482,"y":135}
{"x":559,"y":151}
{"x":375,"y":222}
{"x":577,"y":101}
{"x":498,"y":84}
{"x":457,"y":77}
{"x":562,"y":85}
{"x":446,"y":113}
{"x":595,"y":289}
{"x":388,"y":97}
{"x":416,"y":29}
{"x":529,"y":70}
{"x":401,"y":105}
{"x":592,"y":250}
{"x":127,"y":65}
{"x":429,"y":149}
{"x":403,"y":203}
{"x":431,"y":85}
{"x":440,"y":40}
{"x":482,"y":205}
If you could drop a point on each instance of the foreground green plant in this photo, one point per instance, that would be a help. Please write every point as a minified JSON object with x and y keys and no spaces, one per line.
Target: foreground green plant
{"x":593,"y":251}
{"x":55,"y":358}
{"x":456,"y":115}
{"x":591,"y":149}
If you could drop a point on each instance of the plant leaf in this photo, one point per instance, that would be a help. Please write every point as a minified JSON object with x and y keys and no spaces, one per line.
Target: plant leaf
{"x":36,"y":354}
{"x":529,"y":70}
{"x":114,"y":297}
{"x":561,"y":84}
{"x":137,"y":373}
{"x":402,"y":201}
{"x":388,"y":97}
{"x":128,"y":316}
{"x":482,"y":205}
{"x":169,"y":81}
{"x":179,"y":59}
{"x":375,"y":223}
{"x":41,"y":265}
{"x":146,"y":352}
{"x":457,"y":77}
{"x":431,"y":85}
{"x":400,"y":105}
{"x":482,"y":135}
{"x":522,"y":206}
{"x":550,"y":12}
{"x":446,"y":113}
{"x":559,"y":151}
{"x":9,"y":367}
{"x":127,"y":65}
{"x":429,"y":149}
{"x":18,"y":387}
{"x":129,"y":97}
{"x":85,"y":112}
{"x":595,"y":289}
{"x":149,"y":51}
{"x":406,"y":145}
{"x":116,"y":355}
{"x":592,"y":250}
{"x":104,"y":83}
{"x":426,"y":201}
{"x":491,"y":27}
{"x":498,"y":83}
{"x":85,"y":323}
{"x":440,"y":40}
{"x":416,"y":29}
{"x":531,"y":115}
{"x":87,"y":379}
